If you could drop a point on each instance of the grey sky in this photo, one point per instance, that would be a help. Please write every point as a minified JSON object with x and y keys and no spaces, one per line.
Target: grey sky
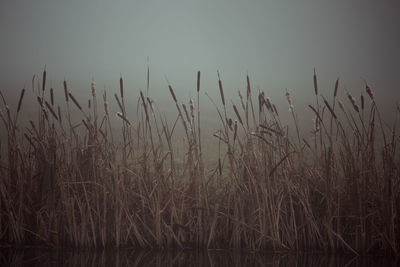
{"x":277,"y":42}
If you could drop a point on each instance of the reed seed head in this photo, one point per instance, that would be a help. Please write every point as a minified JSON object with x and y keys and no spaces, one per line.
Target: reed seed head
{"x":121,"y":87}
{"x":191,"y":108}
{"x":51,"y":96}
{"x":75,"y":101}
{"x":198,"y":81}
{"x":65,"y":91}
{"x":248,"y":87}
{"x":172,"y":93}
{"x":289,"y":99}
{"x":93,"y":87}
{"x":329,"y":108}
{"x":315,"y":83}
{"x":44,"y":79}
{"x":362,"y":102}
{"x":369,"y":92}
{"x":221,"y":90}
{"x":336,"y":87}
{"x":353,"y":102}
{"x":20,"y":100}
{"x":59,"y":114}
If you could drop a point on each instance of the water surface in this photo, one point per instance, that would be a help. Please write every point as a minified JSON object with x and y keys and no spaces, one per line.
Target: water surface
{"x":39,"y":257}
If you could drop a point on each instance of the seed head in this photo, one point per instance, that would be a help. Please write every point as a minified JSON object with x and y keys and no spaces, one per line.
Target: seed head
{"x":369,"y":92}
{"x":93,"y":89}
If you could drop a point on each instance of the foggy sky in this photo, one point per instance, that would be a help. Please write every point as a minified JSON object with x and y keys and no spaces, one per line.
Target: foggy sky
{"x":278,"y":43}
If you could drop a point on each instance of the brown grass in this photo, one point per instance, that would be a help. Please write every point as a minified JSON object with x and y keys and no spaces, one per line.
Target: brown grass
{"x":66,"y":183}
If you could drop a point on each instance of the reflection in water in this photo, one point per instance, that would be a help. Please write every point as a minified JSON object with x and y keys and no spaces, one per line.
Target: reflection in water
{"x":181,"y":258}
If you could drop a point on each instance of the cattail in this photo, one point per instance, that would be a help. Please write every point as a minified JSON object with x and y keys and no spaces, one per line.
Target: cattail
{"x":121,"y":87}
{"x":221,"y":90}
{"x":59,"y":114}
{"x":362,"y":102}
{"x":20,"y":100}
{"x":248,"y":87}
{"x":33,"y":82}
{"x":353,"y":102}
{"x":44,"y":79}
{"x":119,"y":114}
{"x":288,"y":98}
{"x":51,"y":96}
{"x":260,"y":101}
{"x":198,"y":81}
{"x":105,"y":103}
{"x":172,"y":93}
{"x":51,"y":110}
{"x":329,"y":108}
{"x":65,"y":91}
{"x":315,"y":83}
{"x":336,"y":88}
{"x":229,"y":121}
{"x":356,"y":108}
{"x":219,"y":166}
{"x":74,"y":100}
{"x":237,"y":114}
{"x":316,"y":124}
{"x":89,"y":104}
{"x":191,"y":108}
{"x":369,"y":92}
{"x":241,"y":100}
{"x":93,"y":86}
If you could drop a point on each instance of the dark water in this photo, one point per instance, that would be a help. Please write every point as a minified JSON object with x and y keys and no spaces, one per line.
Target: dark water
{"x":182,"y":258}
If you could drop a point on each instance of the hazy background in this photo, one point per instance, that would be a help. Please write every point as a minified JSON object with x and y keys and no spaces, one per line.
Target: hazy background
{"x":278,"y":43}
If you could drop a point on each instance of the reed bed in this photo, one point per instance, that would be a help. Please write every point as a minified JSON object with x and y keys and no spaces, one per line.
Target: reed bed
{"x":79,"y":183}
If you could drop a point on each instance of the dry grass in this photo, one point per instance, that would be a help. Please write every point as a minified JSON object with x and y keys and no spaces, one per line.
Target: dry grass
{"x":66,"y":183}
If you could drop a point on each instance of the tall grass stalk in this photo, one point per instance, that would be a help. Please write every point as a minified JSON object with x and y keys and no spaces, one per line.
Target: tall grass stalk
{"x":79,"y":182}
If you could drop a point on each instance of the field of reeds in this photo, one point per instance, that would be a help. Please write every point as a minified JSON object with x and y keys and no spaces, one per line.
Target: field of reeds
{"x":80,"y":183}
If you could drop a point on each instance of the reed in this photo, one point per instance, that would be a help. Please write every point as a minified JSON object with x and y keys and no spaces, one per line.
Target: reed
{"x":80,"y":183}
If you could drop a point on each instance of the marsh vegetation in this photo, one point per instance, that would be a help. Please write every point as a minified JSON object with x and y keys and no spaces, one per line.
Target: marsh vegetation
{"x":80,"y":183}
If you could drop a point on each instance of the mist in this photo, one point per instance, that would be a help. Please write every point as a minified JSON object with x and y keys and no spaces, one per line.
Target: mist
{"x":276,"y":43}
